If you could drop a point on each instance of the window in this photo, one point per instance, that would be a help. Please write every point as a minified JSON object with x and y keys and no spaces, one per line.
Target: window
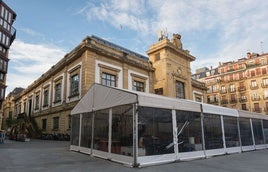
{"x":223,"y":89}
{"x":180,"y":92}
{"x":244,"y":106}
{"x":233,"y":98}
{"x":256,"y":107}
{"x":265,"y":82}
{"x":208,"y":99}
{"x":45,"y":103}
{"x":263,"y":61}
{"x":252,"y":73}
{"x":44,"y":124}
{"x":214,"y":88}
{"x":74,"y":85}
{"x":232,"y":88}
{"x":37,"y":97}
{"x":57,"y":93}
{"x":2,"y":92}
{"x":265,"y":96}
{"x":215,"y":98}
{"x":157,"y":56}
{"x":3,"y":65}
{"x":55,"y":123}
{"x":158,"y":91}
{"x":138,"y":86}
{"x":258,"y":71}
{"x":108,"y":79}
{"x":264,"y":71}
{"x":255,"y":96}
{"x":253,"y":84}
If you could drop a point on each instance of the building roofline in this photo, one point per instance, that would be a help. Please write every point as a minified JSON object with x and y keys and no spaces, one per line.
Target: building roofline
{"x":117,"y":47}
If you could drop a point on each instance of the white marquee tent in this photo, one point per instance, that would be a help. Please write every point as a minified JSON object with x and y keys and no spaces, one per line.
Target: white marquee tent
{"x":139,"y":129}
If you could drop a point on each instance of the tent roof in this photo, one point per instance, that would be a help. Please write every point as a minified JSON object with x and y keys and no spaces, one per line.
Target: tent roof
{"x":102,"y":97}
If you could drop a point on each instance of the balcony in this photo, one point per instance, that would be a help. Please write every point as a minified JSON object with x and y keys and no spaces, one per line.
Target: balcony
{"x":223,"y":91}
{"x":232,"y":101}
{"x":241,"y":88}
{"x":256,"y":98}
{"x":264,"y":85}
{"x":13,"y":34}
{"x":265,"y":109}
{"x":254,"y":87}
{"x":231,"y":90}
{"x":223,"y":102}
{"x":258,"y":110}
{"x":265,"y":97}
{"x":242,"y":100}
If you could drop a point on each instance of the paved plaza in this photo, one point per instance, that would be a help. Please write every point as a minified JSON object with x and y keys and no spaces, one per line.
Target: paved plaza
{"x":54,"y":156}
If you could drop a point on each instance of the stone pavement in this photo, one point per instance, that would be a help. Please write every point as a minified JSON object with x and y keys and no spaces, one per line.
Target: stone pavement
{"x":54,"y":156}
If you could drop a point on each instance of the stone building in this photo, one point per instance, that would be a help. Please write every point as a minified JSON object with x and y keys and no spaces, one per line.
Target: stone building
{"x":50,"y":98}
{"x":7,"y":36}
{"x":240,"y":84}
{"x":9,"y":107}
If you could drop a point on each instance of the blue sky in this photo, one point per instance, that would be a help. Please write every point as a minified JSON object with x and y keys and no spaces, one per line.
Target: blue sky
{"x":213,"y":31}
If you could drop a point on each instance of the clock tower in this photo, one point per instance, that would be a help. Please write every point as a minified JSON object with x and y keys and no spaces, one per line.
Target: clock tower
{"x":172,"y":67}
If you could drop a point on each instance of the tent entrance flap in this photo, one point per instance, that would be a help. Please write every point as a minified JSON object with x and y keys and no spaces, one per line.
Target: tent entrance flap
{"x":101,"y":97}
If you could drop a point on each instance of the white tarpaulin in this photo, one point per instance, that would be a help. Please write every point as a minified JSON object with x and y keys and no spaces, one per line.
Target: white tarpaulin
{"x":102,"y":97}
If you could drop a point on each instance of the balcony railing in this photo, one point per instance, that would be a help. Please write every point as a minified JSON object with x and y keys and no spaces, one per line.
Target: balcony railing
{"x":258,"y":110}
{"x":254,"y":87}
{"x":231,"y":90}
{"x":232,"y":101}
{"x":255,"y":98}
{"x":241,"y":88}
{"x":265,"y":97}
{"x":223,"y":91}
{"x":265,"y":109}
{"x":264,"y":85}
{"x":241,"y":100}
{"x":223,"y":102}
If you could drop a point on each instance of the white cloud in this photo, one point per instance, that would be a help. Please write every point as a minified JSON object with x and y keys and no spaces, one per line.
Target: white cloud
{"x":30,"y":32}
{"x":30,"y":61}
{"x":119,"y":13}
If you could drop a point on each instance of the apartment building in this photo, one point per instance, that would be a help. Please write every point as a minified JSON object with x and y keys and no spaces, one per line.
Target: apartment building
{"x":7,"y":36}
{"x":240,"y":84}
{"x":50,"y":98}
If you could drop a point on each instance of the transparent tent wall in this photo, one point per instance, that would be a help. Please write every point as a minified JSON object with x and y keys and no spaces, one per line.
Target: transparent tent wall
{"x":212,"y":131}
{"x":257,"y":130}
{"x":189,"y":131}
{"x":75,"y":130}
{"x":122,"y":130}
{"x":265,"y":130}
{"x":155,"y":133}
{"x":101,"y":130}
{"x":231,"y":131}
{"x":86,"y":130}
{"x":245,"y":132}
